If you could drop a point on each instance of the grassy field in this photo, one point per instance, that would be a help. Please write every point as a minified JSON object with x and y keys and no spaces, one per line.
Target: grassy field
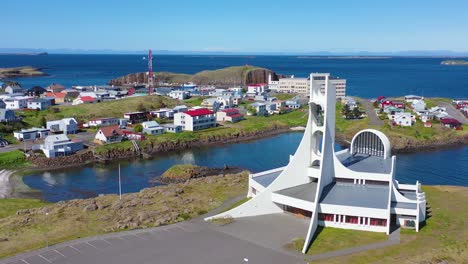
{"x":150,"y":207}
{"x":85,"y":112}
{"x":331,"y":239}
{"x":12,"y":160}
{"x":9,"y":207}
{"x":444,"y":238}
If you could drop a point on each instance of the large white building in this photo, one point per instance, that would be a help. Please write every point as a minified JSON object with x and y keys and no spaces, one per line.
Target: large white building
{"x":193,"y":120}
{"x":353,"y":188}
{"x":302,"y":85}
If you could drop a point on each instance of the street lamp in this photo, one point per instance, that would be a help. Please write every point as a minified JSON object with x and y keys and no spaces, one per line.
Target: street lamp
{"x":47,"y":229}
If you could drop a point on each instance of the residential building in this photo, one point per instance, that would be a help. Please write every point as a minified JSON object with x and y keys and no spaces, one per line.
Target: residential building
{"x":293,"y":104}
{"x":426,"y":117}
{"x":152,"y":128}
{"x":451,"y":123}
{"x":350,"y":102}
{"x":193,"y":120}
{"x":257,"y":88}
{"x":36,"y":91}
{"x":302,"y":85}
{"x":272,"y":85}
{"x":260,"y":108}
{"x":391,"y":110}
{"x":100,"y":122}
{"x":353,"y":188}
{"x":2,"y":104}
{"x":109,"y":134}
{"x":279,"y":104}
{"x":39,"y":104}
{"x":66,"y":125}
{"x":55,"y":88}
{"x":270,"y":107}
{"x":229,"y":115}
{"x":402,"y":118}
{"x":135,"y":117}
{"x":14,"y":89}
{"x":15,"y":103}
{"x":412,"y":98}
{"x":7,"y":115}
{"x":58,"y":97}
{"x":236,"y":100}
{"x":60,"y":145}
{"x":31,"y":134}
{"x":163,"y":113}
{"x":418,"y":105}
{"x":260,"y":98}
{"x":133,"y":135}
{"x":171,"y":128}
{"x":180,"y":108}
{"x":84,"y":100}
{"x":181,"y":95}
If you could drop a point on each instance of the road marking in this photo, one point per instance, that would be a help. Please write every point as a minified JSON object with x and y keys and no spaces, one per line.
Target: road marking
{"x":59,"y":253}
{"x":91,"y":245}
{"x":44,"y":258}
{"x":25,"y":261}
{"x":75,"y":249}
{"x":107,"y":242}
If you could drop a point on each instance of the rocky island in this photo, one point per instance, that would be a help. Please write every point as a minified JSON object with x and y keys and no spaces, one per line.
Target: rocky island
{"x":236,"y":75}
{"x":454,"y":62}
{"x":25,"y":71}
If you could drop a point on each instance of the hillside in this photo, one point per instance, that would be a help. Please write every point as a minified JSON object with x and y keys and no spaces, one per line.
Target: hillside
{"x":235,"y":75}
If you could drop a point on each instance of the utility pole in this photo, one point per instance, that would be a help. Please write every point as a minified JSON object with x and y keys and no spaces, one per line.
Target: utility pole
{"x":120,"y":185}
{"x":47,"y":229}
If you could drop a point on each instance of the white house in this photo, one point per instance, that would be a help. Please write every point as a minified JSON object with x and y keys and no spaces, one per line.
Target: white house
{"x":66,"y":125}
{"x":17,"y":102}
{"x":194,"y":120}
{"x":13,"y":89}
{"x":180,"y":108}
{"x":60,"y":145}
{"x":181,"y":95}
{"x":257,"y":88}
{"x":418,"y":105}
{"x":402,"y":118}
{"x":40,"y":104}
{"x":31,"y":134}
{"x":109,"y":134}
{"x":412,"y":98}
{"x":171,"y":128}
{"x":163,"y":113}
{"x":353,"y":188}
{"x":229,"y":115}
{"x":270,"y":107}
{"x":7,"y":115}
{"x":152,"y":128}
{"x":100,"y":122}
{"x":84,"y":100}
{"x":260,"y":108}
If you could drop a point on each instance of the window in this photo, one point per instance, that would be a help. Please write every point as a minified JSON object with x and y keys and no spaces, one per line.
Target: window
{"x":378,"y":222}
{"x":352,"y":219}
{"x":326,"y":217}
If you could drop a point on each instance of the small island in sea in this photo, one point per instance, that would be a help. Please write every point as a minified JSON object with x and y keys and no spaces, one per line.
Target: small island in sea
{"x":454,"y":62}
{"x":25,"y":71}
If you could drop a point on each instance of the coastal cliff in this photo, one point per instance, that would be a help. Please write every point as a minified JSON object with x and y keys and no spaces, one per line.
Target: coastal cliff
{"x":236,"y":75}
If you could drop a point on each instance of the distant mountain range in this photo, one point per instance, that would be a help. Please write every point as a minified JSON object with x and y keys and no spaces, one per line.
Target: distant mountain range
{"x":412,"y":53}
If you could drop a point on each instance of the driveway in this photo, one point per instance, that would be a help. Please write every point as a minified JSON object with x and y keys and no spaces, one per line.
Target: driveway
{"x":369,"y":108}
{"x":453,"y":112}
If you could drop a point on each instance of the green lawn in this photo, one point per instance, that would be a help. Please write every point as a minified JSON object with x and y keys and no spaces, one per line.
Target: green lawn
{"x":332,"y":239}
{"x":234,"y":205}
{"x":13,"y":159}
{"x":194,"y":101}
{"x":11,"y":206}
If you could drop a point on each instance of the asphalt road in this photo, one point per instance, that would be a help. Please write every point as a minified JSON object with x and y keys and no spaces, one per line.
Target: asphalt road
{"x":453,"y":112}
{"x":373,"y":118}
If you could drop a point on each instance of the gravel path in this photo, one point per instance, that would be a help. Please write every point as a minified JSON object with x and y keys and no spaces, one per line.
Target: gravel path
{"x":373,"y":118}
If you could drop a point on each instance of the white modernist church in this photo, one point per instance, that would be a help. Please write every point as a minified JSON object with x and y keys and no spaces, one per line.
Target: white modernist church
{"x":353,"y":188}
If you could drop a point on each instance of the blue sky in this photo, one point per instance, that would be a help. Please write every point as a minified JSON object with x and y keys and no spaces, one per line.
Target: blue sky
{"x":240,"y":25}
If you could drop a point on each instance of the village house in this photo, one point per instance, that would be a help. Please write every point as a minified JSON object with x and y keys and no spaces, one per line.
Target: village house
{"x":17,"y":102}
{"x":39,"y":104}
{"x":31,"y":134}
{"x":180,"y":95}
{"x":2,"y":104}
{"x":194,"y":120}
{"x":66,"y":125}
{"x":390,"y":109}
{"x":402,"y":119}
{"x":258,"y":88}
{"x":260,"y":108}
{"x":180,"y":108}
{"x":58,"y":97}
{"x":451,"y":123}
{"x":135,"y":117}
{"x":36,"y":91}
{"x":109,"y":134}
{"x":229,"y":115}
{"x":130,"y":135}
{"x":293,"y":104}
{"x":152,"y":128}
{"x":270,"y":107}
{"x":260,"y":98}
{"x":55,"y":88}
{"x":7,"y":115}
{"x":71,"y":93}
{"x":426,"y":117}
{"x":84,"y":100}
{"x":163,"y":113}
{"x":100,"y":122}
{"x":171,"y":128}
{"x":418,"y":105}
{"x":60,"y":145}
{"x":279,"y":104}
{"x":412,"y":98}
{"x":350,"y":102}
{"x":236,"y":100}
{"x":13,"y":89}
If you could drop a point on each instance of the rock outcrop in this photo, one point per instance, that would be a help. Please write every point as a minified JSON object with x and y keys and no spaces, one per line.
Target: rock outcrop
{"x":237,"y":75}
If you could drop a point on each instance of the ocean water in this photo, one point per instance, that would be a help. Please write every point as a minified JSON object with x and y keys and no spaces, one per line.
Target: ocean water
{"x":367,"y":78}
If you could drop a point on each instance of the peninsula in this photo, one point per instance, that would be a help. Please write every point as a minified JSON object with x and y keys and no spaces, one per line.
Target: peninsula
{"x":454,"y":62}
{"x":25,"y":71}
